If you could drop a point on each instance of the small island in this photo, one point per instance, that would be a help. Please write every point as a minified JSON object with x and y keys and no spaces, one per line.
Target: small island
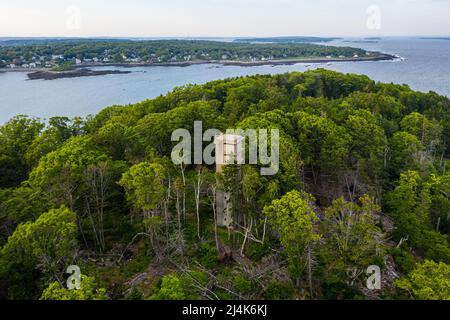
{"x":53,"y":75}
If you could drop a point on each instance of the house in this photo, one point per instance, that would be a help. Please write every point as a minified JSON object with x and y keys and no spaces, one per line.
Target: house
{"x":33,"y":65}
{"x":77,"y":61}
{"x":12,"y":65}
{"x":25,"y":65}
{"x":95,"y":59}
{"x":133,"y":60}
{"x":106,"y":60}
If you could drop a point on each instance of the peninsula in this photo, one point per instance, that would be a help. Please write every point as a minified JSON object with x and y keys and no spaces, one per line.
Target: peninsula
{"x":64,"y":58}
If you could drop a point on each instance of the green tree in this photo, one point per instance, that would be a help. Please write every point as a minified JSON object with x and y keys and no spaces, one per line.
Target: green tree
{"x":429,"y":281}
{"x":352,"y":242}
{"x":368,"y":146}
{"x":428,"y":132}
{"x":16,"y":136}
{"x":406,"y":153}
{"x":144,"y":185}
{"x":410,"y":204}
{"x":59,"y":130}
{"x":323,"y":144}
{"x":171,"y":289}
{"x":88,"y":291}
{"x":60,"y":173}
{"x":293,"y":218}
{"x":47,"y":245}
{"x":117,"y":138}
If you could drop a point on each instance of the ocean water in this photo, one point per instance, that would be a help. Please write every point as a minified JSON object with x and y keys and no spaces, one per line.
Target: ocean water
{"x":425,"y":66}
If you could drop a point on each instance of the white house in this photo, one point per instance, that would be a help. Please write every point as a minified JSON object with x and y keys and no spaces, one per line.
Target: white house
{"x":133,"y":60}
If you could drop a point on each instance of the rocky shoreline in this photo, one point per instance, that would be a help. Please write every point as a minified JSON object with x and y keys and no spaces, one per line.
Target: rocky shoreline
{"x":52,"y":75}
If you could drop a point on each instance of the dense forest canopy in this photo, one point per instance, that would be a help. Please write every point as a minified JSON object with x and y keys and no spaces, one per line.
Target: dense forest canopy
{"x":165,"y":51}
{"x":363,"y":181}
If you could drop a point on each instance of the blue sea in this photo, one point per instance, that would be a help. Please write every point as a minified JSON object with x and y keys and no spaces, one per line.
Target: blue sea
{"x":424,"y":66}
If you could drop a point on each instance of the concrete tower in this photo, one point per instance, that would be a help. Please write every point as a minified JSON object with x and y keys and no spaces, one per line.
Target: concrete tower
{"x":229,"y":150}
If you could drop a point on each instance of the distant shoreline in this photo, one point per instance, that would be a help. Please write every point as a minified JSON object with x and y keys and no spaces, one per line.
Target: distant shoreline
{"x":379,"y":57}
{"x":83,"y":71}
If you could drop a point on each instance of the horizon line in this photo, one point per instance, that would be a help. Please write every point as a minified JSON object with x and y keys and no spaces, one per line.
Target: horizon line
{"x":222,"y":37}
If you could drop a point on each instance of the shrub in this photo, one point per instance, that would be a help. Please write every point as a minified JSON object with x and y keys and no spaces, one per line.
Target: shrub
{"x":279,"y":291}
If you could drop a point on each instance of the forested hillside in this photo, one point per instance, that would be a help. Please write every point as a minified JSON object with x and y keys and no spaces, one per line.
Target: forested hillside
{"x":363,"y":181}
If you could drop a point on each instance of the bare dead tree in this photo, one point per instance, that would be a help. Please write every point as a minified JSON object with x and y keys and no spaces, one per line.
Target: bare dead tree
{"x":212,"y":193}
{"x":98,"y":180}
{"x":179,"y":188}
{"x":183,"y":175}
{"x":197,"y":190}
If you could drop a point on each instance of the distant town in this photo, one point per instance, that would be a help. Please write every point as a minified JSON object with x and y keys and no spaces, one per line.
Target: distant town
{"x":66,"y":55}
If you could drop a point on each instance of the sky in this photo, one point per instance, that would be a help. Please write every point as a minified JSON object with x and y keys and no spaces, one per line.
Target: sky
{"x":223,"y":18}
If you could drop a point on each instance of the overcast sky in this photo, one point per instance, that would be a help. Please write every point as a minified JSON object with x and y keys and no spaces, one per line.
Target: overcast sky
{"x":194,"y":18}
